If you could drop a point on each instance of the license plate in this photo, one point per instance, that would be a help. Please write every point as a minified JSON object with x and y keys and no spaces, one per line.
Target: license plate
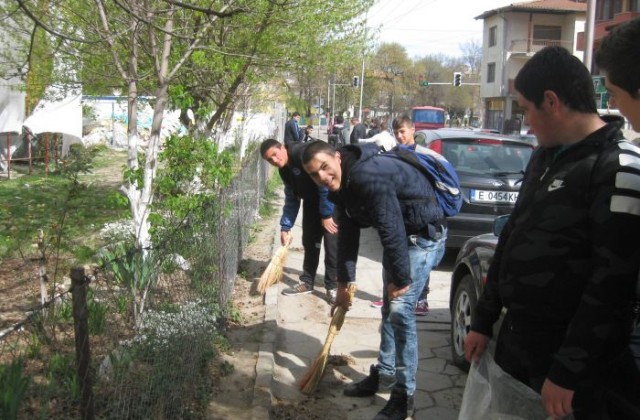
{"x":484,"y":196}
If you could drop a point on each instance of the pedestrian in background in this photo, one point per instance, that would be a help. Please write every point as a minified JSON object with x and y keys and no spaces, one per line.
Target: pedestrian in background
{"x":308,"y":130}
{"x":396,"y":199}
{"x":292,"y":130}
{"x":317,"y":216}
{"x":384,"y":140}
{"x":375,"y":127}
{"x":566,"y":262}
{"x":359,"y":131}
{"x":338,"y":136}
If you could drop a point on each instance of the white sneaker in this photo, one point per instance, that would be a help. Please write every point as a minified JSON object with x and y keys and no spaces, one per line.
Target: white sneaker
{"x":331,"y":296}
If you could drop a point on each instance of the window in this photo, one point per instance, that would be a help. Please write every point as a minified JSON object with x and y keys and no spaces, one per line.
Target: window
{"x":634,"y":6}
{"x":547,"y":35}
{"x":493,"y":36}
{"x":491,"y":72}
{"x":605,"y":10}
{"x":617,"y":6}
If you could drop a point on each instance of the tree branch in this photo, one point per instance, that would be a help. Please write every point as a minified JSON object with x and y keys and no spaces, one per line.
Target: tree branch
{"x":206,"y":11}
{"x":53,"y":32}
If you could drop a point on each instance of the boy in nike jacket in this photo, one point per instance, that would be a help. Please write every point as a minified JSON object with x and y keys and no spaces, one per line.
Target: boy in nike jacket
{"x":565,"y":266}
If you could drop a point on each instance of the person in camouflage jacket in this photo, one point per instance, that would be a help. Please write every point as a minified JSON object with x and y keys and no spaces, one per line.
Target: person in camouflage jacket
{"x":566,"y":264}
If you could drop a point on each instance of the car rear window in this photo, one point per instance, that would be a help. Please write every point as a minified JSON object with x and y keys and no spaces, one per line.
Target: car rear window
{"x":481,"y":156}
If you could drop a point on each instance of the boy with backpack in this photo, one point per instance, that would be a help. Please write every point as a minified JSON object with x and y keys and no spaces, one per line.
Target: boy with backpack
{"x":394,"y":197}
{"x":432,"y":166}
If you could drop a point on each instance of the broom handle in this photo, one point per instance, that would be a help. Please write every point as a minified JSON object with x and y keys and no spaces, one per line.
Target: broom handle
{"x":328,"y":342}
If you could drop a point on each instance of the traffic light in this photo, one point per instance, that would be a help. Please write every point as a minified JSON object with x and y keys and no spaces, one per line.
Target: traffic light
{"x":356,"y":81}
{"x":424,"y":83}
{"x":457,"y":78}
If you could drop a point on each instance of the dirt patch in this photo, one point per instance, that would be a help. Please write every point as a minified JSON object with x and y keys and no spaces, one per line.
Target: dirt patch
{"x":20,"y":289}
{"x":235,"y":370}
{"x":233,"y":391}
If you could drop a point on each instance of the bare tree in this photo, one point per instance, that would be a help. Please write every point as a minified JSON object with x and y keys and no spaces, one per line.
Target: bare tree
{"x":472,"y":55}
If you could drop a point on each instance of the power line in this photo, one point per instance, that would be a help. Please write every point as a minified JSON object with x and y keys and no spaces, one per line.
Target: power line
{"x":411,"y":10}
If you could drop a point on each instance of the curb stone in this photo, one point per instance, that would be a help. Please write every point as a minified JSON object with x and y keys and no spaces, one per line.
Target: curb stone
{"x":262,"y":395}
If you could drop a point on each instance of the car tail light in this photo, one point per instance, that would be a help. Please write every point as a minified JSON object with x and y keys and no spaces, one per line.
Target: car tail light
{"x":436,"y":146}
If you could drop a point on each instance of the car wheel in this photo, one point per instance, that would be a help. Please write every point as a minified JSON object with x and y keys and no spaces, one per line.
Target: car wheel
{"x":464,"y":301}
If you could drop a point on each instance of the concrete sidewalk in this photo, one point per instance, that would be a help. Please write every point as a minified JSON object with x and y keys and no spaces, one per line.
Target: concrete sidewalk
{"x":297,"y":328}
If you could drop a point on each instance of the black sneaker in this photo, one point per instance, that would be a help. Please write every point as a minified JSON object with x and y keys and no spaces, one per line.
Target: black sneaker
{"x":399,"y":407}
{"x":370,"y":385}
{"x":300,"y":289}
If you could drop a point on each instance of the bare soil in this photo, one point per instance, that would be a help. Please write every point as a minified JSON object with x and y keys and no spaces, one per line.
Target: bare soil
{"x":233,"y":393}
{"x":235,"y":373}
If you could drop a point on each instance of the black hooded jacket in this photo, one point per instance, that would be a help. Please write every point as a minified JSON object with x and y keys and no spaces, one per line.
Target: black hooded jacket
{"x":387,"y":194}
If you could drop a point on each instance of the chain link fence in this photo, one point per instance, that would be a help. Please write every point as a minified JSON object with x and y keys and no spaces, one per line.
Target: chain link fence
{"x":105,"y":349}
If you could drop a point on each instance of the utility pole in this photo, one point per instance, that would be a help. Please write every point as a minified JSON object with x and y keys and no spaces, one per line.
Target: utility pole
{"x":589,"y":26}
{"x":361,"y":89}
{"x":329,"y":103}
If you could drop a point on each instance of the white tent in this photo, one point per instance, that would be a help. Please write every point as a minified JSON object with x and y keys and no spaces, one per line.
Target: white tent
{"x":11,"y":110}
{"x":63,"y":116}
{"x":11,"y":117}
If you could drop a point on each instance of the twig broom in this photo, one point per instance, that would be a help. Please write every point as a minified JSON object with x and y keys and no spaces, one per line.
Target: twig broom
{"x":273,"y":273}
{"x":314,"y":374}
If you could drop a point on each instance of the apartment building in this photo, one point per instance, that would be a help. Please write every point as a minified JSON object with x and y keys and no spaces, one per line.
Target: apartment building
{"x":610,"y":13}
{"x":511,"y":35}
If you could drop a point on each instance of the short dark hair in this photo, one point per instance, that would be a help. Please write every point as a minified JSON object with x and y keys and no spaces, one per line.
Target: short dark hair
{"x":557,"y":70}
{"x":316,"y":147}
{"x":401,"y":121}
{"x":339,"y":119}
{"x":295,"y":114}
{"x":618,"y":56}
{"x":268,"y":144}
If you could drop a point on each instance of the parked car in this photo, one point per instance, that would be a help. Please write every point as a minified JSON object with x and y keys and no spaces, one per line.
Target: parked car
{"x":467,"y":280}
{"x":490,"y":168}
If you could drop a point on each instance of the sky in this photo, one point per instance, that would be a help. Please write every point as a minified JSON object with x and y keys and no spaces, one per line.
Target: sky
{"x":427,"y":27}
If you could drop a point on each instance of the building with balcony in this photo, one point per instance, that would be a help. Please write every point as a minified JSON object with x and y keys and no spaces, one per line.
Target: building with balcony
{"x":511,"y":35}
{"x":610,"y":13}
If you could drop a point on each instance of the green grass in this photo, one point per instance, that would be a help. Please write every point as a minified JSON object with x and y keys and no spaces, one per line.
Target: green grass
{"x":52,"y":203}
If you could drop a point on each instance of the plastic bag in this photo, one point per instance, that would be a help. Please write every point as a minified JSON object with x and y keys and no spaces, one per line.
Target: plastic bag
{"x":492,"y":394}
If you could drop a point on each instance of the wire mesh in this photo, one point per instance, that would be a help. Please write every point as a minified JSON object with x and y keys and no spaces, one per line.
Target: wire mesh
{"x":148,"y":361}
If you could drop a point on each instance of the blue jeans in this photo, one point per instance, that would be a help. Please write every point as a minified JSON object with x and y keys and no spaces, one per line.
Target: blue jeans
{"x":399,"y":337}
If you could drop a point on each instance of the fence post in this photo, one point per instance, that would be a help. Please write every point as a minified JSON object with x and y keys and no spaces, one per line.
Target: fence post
{"x":81,"y":328}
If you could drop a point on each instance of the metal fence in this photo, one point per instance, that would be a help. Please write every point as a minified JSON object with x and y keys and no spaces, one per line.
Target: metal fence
{"x":87,"y":357}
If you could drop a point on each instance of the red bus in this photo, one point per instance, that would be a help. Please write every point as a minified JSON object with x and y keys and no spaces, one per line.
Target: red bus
{"x":427,"y":117}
